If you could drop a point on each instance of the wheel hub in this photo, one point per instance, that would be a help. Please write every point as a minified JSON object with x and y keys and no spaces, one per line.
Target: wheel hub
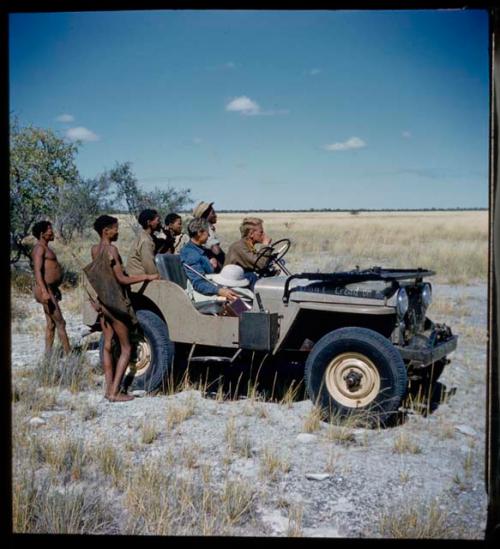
{"x":352,"y":379}
{"x":141,"y":360}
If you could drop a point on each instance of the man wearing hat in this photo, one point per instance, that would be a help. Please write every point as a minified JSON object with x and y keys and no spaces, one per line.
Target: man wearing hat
{"x":205,"y":210}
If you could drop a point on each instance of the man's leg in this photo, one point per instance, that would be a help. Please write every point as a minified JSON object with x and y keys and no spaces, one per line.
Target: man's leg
{"x":50,"y":330}
{"x":107,"y":356}
{"x":122,"y":332}
{"x":58,"y":318}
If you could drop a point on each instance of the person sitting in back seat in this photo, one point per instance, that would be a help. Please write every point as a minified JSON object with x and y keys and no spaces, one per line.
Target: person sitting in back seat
{"x":194,"y":255}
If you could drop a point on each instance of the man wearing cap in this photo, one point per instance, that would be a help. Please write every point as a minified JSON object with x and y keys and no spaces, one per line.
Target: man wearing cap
{"x":141,"y":259}
{"x":205,"y":210}
{"x":243,"y":252}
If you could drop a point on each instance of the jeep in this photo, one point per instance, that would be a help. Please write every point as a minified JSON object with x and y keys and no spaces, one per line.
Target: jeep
{"x":362,"y":336}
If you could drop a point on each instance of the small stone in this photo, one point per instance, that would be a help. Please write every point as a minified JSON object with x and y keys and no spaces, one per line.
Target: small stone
{"x":306,"y":437}
{"x":37,"y":421}
{"x":317,"y":476}
{"x":466,"y":430}
{"x":139,"y":393}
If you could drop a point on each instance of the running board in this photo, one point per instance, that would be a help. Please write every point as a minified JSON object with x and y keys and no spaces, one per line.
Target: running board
{"x":210,"y":359}
{"x":221,"y":359}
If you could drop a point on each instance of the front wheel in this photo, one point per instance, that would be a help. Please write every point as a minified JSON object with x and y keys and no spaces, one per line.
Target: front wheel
{"x":356,"y":372}
{"x":152,"y":354}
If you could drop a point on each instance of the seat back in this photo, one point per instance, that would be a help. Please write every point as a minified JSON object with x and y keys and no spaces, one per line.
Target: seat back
{"x":170,"y":268}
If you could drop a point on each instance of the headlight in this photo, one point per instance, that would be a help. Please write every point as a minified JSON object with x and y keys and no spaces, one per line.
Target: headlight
{"x":402,"y":305}
{"x":427,"y":295}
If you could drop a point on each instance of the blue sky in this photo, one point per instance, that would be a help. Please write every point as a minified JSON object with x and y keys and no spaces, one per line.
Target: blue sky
{"x":263,"y":109}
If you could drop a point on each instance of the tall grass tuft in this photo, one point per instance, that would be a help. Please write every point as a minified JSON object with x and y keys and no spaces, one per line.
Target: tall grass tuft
{"x":65,"y":372}
{"x":50,"y":509}
{"x":417,"y":521}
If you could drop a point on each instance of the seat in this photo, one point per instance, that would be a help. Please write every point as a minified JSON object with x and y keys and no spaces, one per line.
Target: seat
{"x":170,"y":268}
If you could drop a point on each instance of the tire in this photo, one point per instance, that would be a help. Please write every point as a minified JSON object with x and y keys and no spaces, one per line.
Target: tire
{"x":152,"y":351}
{"x":377,"y":381}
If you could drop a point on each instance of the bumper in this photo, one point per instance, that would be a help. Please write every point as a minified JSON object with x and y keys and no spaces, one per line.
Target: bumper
{"x":427,"y":355}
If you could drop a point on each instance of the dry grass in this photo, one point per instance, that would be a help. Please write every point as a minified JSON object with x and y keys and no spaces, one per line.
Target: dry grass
{"x":177,"y":413}
{"x":403,"y":444}
{"x":272,"y":465}
{"x":454,"y":244}
{"x":291,"y":393}
{"x":416,"y":521}
{"x":237,"y":439}
{"x":33,"y":398}
{"x":295,"y":513}
{"x":149,"y":432}
{"x":49,"y":509}
{"x":65,"y":372}
{"x":110,"y":463}
{"x":340,"y":434}
{"x":312,"y":421}
{"x":160,"y":502}
{"x":449,"y":307}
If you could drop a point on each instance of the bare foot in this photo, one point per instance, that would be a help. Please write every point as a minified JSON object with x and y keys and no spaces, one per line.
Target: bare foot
{"x":120,"y":397}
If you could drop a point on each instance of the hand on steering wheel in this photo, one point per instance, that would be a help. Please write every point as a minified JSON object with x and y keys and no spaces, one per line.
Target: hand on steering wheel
{"x":275,"y":252}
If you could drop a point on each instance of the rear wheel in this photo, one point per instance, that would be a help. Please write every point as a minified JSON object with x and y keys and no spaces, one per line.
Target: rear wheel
{"x":152,"y":354}
{"x":356,"y":372}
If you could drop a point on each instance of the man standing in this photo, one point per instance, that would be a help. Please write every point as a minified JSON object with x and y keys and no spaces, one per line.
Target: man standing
{"x":243,"y":252}
{"x":48,"y":278}
{"x":141,"y":259}
{"x":205,"y":210}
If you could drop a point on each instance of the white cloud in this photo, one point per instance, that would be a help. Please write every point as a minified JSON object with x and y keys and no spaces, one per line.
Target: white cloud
{"x":406,"y":134}
{"x":248,"y":107}
{"x":81,"y":134}
{"x":351,"y":143}
{"x":244,"y":105}
{"x":65,"y":118}
{"x":197,"y":140}
{"x":314,"y":72}
{"x":229,"y":65}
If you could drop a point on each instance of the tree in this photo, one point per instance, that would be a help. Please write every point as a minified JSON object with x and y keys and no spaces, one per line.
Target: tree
{"x":79,"y":203}
{"x":128,"y":190}
{"x":41,"y":164}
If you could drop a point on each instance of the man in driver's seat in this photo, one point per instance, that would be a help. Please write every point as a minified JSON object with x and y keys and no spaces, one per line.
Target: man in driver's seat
{"x":243,"y":252}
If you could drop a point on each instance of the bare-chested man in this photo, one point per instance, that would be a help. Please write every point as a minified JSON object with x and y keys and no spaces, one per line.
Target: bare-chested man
{"x":48,"y":278}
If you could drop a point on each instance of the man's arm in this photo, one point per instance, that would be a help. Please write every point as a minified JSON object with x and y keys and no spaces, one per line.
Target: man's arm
{"x":38,"y":261}
{"x":245,"y":257}
{"x":147,"y":253}
{"x":199,"y":284}
{"x":127,"y":280}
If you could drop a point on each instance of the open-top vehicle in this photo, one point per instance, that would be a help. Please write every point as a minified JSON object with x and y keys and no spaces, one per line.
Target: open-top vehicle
{"x":361,"y":335}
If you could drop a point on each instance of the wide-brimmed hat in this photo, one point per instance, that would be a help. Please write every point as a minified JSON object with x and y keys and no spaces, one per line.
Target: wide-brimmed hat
{"x":232,"y":276}
{"x":201,"y":208}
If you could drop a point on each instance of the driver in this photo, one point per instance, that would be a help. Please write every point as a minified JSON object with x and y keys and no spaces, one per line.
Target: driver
{"x":243,"y":252}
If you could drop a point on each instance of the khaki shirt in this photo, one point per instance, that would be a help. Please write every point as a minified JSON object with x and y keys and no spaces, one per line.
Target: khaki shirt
{"x":243,"y":253}
{"x":141,"y":259}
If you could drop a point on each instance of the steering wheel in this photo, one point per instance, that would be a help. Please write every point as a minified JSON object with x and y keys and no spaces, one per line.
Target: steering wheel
{"x":276,"y":251}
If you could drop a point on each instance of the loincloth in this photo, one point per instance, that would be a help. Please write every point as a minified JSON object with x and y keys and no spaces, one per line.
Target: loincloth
{"x":56,"y":292}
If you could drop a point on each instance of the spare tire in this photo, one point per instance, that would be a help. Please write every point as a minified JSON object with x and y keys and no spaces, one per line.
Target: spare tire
{"x":152,"y":354}
{"x":356,"y":372}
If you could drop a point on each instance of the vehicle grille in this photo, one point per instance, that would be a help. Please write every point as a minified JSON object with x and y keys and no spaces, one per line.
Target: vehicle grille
{"x":415,"y":316}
